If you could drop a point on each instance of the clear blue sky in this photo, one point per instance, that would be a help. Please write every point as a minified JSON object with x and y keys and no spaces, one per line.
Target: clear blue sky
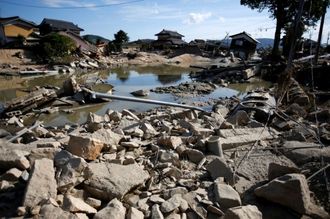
{"x":203,"y":19}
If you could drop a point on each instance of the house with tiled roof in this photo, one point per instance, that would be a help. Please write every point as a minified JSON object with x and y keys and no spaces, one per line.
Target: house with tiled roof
{"x":243,"y":45}
{"x":15,"y":29}
{"x":168,"y":39}
{"x":52,"y":25}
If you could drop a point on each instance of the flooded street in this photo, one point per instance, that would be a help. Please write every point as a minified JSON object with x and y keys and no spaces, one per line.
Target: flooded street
{"x":124,"y":81}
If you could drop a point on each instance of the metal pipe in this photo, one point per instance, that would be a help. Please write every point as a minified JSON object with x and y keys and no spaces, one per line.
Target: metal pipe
{"x":139,"y":100}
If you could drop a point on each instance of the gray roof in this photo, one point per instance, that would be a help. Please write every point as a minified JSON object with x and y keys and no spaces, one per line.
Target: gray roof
{"x":244,"y":35}
{"x":61,"y":25}
{"x":169,"y":32}
{"x":8,"y":20}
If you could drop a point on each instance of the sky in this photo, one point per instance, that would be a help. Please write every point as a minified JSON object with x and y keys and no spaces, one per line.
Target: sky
{"x":142,"y":19}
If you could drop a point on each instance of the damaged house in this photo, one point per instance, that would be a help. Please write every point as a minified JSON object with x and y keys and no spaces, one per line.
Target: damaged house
{"x":168,"y":39}
{"x":243,"y":45}
{"x":68,"y":29}
{"x":15,"y":30}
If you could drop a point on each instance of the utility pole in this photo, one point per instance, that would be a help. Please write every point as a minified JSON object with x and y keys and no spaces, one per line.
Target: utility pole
{"x":320,"y":33}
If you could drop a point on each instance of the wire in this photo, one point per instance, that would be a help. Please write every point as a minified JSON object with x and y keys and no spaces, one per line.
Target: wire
{"x":70,"y":7}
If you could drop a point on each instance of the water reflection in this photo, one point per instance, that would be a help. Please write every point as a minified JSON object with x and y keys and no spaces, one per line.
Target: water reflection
{"x":168,"y":79}
{"x":124,"y":81}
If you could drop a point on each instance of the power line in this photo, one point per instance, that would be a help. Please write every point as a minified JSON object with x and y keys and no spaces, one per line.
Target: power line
{"x":71,"y":7}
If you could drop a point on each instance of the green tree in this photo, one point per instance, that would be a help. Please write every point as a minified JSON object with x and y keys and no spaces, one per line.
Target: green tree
{"x":121,"y":37}
{"x":55,"y":46}
{"x":284,"y":13}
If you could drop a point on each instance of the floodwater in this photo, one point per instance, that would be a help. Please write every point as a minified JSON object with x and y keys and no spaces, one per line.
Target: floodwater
{"x":124,"y":81}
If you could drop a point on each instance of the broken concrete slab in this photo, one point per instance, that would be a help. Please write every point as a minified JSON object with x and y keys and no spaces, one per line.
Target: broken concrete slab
{"x":171,"y":204}
{"x":106,"y":181}
{"x":303,"y":152}
{"x":226,"y":196}
{"x":14,"y":158}
{"x":85,"y":146}
{"x":219,"y":168}
{"x":76,"y":205}
{"x":114,"y":209}
{"x":243,"y":212}
{"x":231,"y":138}
{"x":42,"y":184}
{"x":291,"y":191}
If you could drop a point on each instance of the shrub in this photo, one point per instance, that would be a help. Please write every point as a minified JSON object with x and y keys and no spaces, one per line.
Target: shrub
{"x":55,"y":46}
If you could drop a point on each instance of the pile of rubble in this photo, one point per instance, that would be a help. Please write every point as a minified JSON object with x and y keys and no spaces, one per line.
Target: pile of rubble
{"x":188,"y":89}
{"x":164,"y":163}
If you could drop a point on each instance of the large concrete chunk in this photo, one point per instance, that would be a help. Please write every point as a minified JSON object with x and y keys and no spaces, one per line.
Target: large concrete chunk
{"x":14,"y":158}
{"x":42,"y":183}
{"x":49,"y":211}
{"x":290,"y":190}
{"x":226,"y":196}
{"x":74,"y":204}
{"x":243,"y":212}
{"x":107,"y":180}
{"x":89,"y":146}
{"x":303,"y":152}
{"x":171,"y":204}
{"x":114,"y":209}
{"x":231,"y":138}
{"x":85,"y":146}
{"x":219,"y":168}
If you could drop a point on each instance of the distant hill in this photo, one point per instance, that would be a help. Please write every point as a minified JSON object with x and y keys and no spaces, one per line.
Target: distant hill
{"x":265,"y":43}
{"x":94,"y":38}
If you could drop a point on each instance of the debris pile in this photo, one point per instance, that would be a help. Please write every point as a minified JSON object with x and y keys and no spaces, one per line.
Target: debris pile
{"x":164,"y":163}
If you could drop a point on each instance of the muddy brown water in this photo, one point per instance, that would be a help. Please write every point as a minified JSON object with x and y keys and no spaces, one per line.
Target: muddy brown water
{"x":124,"y":80}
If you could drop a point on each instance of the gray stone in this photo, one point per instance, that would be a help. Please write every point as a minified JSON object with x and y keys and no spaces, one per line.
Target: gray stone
{"x":115,"y":116}
{"x":70,"y":170}
{"x":156,"y":213}
{"x":107,"y":181}
{"x":240,"y":118}
{"x":195,"y":205}
{"x":171,"y":142}
{"x":171,"y":204}
{"x":114,"y":209}
{"x":231,"y":138}
{"x":243,"y":212}
{"x":74,"y":205}
{"x":134,"y":213}
{"x":226,"y":196}
{"x":305,"y":152}
{"x":171,"y":192}
{"x":11,"y":175}
{"x":140,"y":93}
{"x":194,"y":155}
{"x":148,"y":130}
{"x":156,"y":199}
{"x":290,"y":190}
{"x":95,"y":203}
{"x":126,"y":112}
{"x":94,"y":122}
{"x":39,"y":153}
{"x":14,"y":158}
{"x":276,"y":170}
{"x":219,"y":168}
{"x":42,"y":183}
{"x":49,"y":211}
